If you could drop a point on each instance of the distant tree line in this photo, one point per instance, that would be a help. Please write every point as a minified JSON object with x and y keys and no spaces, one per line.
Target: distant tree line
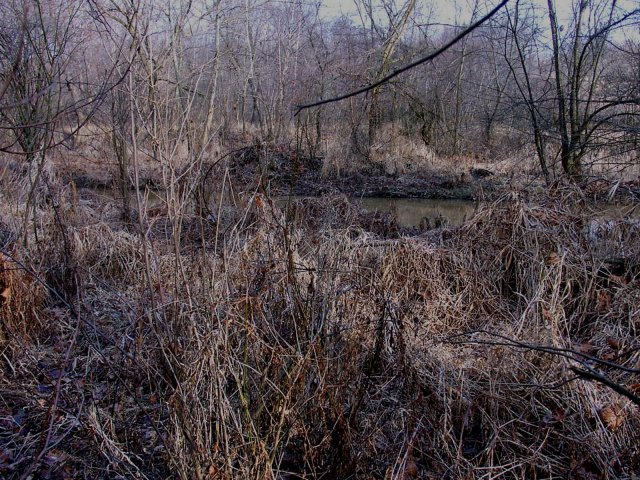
{"x":169,"y":76}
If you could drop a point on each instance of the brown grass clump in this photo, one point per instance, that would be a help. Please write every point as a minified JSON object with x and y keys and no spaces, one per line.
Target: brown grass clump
{"x":555,"y":290}
{"x":112,"y":255}
{"x":301,"y":342}
{"x":21,"y":296}
{"x":21,"y":301}
{"x":337,"y":212}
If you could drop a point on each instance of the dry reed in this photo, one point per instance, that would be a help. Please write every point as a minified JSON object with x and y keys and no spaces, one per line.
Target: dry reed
{"x":296,"y":343}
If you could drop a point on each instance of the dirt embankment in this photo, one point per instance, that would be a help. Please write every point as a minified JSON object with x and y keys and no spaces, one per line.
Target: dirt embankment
{"x":288,"y":173}
{"x":283,"y":172}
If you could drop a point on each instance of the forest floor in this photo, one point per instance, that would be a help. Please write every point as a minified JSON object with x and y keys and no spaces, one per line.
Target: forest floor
{"x":317,"y":342}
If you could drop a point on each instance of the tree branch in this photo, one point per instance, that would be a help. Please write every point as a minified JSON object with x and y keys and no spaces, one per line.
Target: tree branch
{"x":594,"y":376}
{"x":16,"y":64}
{"x":585,"y":373}
{"x":395,"y":73}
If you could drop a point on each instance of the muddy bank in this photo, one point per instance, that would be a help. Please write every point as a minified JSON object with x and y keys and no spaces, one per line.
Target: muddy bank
{"x":285,"y":173}
{"x":363,"y":185}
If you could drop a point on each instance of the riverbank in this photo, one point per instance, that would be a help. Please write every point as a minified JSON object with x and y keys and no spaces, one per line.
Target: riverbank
{"x":286,"y":173}
{"x":283,"y":172}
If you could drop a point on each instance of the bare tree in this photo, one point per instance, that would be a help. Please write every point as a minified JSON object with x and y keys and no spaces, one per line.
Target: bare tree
{"x":37,"y":83}
{"x":582,"y":109}
{"x":522,"y":52}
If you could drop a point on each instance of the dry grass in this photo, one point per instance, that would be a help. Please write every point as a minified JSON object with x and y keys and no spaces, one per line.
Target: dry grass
{"x":304,"y":344}
{"x":395,"y":154}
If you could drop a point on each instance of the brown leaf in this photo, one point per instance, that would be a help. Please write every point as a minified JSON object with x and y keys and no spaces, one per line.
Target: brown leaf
{"x":552,"y":259}
{"x":5,"y":296}
{"x":559,"y":415}
{"x":619,"y":279}
{"x":411,"y":469}
{"x":612,"y":416}
{"x":547,"y":315}
{"x":614,"y":343}
{"x":585,"y":347}
{"x":603,"y":301}
{"x":556,"y":417}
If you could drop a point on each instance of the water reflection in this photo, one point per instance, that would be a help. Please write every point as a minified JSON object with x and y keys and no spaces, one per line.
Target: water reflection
{"x":412,"y":211}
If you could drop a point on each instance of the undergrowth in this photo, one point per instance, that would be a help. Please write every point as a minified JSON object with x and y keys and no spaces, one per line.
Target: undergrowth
{"x":314,"y":341}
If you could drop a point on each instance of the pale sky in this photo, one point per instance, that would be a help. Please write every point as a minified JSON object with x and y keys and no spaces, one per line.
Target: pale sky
{"x":445,"y":10}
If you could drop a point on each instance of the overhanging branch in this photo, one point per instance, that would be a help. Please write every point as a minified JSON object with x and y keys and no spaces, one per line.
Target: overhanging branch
{"x":395,"y":73}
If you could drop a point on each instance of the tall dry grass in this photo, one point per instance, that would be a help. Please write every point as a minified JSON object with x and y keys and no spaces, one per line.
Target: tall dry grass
{"x":299,"y":344}
{"x":395,"y":154}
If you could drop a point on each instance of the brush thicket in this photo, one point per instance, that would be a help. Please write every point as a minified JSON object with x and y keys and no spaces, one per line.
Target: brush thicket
{"x":298,"y":344}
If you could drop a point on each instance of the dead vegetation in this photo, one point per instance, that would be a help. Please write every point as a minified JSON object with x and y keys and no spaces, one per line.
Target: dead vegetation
{"x":313,"y":341}
{"x":164,"y":315}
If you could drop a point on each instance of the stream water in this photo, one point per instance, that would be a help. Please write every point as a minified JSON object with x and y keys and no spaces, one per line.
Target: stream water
{"x":411,"y":212}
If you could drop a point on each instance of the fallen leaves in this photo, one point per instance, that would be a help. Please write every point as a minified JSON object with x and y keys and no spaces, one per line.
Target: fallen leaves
{"x":553,"y":259}
{"x":614,"y":343}
{"x":557,"y":417}
{"x":5,"y":296}
{"x":603,"y":301}
{"x":613,"y":416}
{"x":411,"y":469}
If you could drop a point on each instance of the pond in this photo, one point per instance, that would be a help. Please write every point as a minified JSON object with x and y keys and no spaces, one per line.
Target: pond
{"x":411,"y":212}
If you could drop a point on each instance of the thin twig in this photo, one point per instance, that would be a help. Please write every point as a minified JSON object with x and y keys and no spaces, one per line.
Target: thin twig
{"x":564,"y":352}
{"x":587,"y":374}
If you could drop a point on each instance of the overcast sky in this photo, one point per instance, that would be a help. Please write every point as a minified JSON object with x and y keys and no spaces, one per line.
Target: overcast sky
{"x":445,"y":10}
